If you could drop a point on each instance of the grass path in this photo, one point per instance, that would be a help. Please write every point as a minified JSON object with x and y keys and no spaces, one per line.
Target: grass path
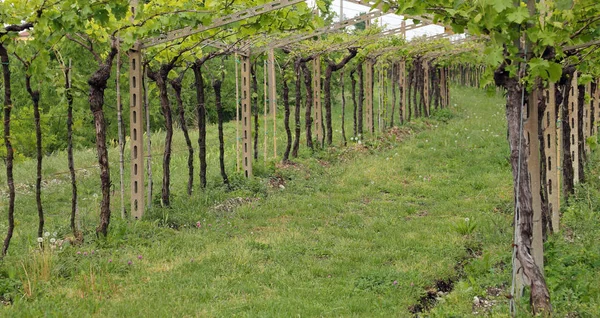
{"x":357,"y":232}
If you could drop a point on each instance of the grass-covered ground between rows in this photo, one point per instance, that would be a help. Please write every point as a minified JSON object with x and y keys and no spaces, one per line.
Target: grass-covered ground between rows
{"x":370,"y":230}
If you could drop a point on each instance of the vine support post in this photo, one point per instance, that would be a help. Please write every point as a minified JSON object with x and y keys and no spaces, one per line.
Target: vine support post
{"x":317,"y":100}
{"x":136,"y":132}
{"x":587,"y":117}
{"x":246,"y":115}
{"x":574,"y":124}
{"x":426,"y":87}
{"x":596,"y":107}
{"x":553,"y":156}
{"x":265,"y":95}
{"x":369,"y":95}
{"x":533,"y":162}
{"x":402,"y":81}
{"x":237,"y":114}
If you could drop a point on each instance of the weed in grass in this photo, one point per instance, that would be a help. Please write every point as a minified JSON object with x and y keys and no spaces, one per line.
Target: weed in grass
{"x":465,"y":227}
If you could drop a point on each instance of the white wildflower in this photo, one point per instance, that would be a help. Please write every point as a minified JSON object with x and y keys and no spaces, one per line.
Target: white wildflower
{"x":40,"y":239}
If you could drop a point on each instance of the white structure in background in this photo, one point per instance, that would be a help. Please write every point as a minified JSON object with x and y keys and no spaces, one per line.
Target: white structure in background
{"x":388,"y":21}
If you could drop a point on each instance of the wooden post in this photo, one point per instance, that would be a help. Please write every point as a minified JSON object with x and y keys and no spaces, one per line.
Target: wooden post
{"x":402,"y":81}
{"x":369,"y":96}
{"x":266,"y":128}
{"x":447,"y":91}
{"x":552,"y":161}
{"x":380,"y":98}
{"x":531,"y":134}
{"x":273,"y":97}
{"x":136,"y":133}
{"x":237,"y":114}
{"x":587,"y":117}
{"x":597,"y":106}
{"x":426,"y":86}
{"x":246,"y":116}
{"x":317,"y":100}
{"x":573,"y":121}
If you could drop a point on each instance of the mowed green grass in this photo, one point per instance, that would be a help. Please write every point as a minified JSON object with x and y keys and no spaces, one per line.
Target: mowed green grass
{"x":357,"y":231}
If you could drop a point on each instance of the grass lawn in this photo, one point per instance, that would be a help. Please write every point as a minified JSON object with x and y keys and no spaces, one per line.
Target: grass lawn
{"x":377,"y":229}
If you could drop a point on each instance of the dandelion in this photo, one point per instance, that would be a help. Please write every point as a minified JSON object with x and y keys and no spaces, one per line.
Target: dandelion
{"x":359,"y":142}
{"x":40,"y":239}
{"x":47,"y":234}
{"x":54,"y":234}
{"x":467,"y":220}
{"x":52,"y":240}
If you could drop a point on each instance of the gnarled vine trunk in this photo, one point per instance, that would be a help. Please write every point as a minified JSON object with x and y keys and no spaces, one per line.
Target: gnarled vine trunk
{"x":35,"y":99}
{"x":217,"y":88}
{"x":176,"y":84}
{"x":297,"y":103}
{"x":361,"y":97}
{"x":333,"y":67}
{"x":160,"y":77}
{"x":9,"y":149}
{"x":97,"y":83}
{"x":286,"y":119}
{"x":71,"y":162}
{"x":540,"y":296}
{"x":201,"y":114}
{"x":308,"y":101}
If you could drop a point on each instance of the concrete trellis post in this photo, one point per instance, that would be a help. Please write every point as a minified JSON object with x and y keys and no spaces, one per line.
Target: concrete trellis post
{"x":136,"y":128}
{"x":596,"y":107}
{"x":369,"y":96}
{"x":531,"y":136}
{"x":574,"y":123}
{"x":238,"y":161}
{"x":552,"y":160}
{"x":426,"y":86}
{"x":246,"y":115}
{"x":587,"y":117}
